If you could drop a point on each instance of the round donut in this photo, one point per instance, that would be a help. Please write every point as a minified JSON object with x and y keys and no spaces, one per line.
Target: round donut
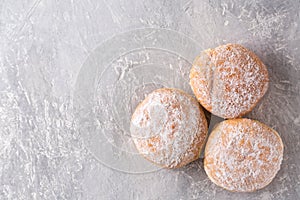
{"x":229,"y":80}
{"x":169,"y":128}
{"x":243,"y":155}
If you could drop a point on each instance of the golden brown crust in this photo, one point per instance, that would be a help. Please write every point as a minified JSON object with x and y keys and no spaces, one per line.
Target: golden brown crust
{"x":229,"y":80}
{"x":169,"y":128}
{"x":243,"y":155}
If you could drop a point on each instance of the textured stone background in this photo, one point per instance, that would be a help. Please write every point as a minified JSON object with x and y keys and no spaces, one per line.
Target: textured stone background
{"x":43,"y":46}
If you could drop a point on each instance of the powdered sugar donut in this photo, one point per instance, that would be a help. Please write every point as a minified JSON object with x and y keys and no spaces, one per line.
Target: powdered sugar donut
{"x":243,"y":155}
{"x":229,"y":80}
{"x":169,"y":128}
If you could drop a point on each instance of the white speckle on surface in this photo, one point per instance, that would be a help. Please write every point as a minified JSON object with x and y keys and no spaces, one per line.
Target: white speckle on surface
{"x":297,"y":121}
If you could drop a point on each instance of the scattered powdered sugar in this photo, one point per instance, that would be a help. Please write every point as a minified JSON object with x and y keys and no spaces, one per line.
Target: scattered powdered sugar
{"x":229,"y":80}
{"x":243,"y":155}
{"x":169,"y":128}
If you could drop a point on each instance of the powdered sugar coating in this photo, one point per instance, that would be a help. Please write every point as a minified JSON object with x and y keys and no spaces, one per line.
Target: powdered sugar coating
{"x":169,"y":128}
{"x":229,"y":80}
{"x":243,"y":155}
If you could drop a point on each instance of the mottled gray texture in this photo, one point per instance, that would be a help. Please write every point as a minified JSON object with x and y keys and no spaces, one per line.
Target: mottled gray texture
{"x":44,"y":45}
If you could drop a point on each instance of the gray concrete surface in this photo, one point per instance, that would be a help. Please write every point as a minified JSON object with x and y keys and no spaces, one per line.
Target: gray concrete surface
{"x":48,"y":52}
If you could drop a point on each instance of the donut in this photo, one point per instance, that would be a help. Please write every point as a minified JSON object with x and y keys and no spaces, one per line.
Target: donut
{"x":242,"y":155}
{"x":229,"y":80}
{"x":169,"y":128}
